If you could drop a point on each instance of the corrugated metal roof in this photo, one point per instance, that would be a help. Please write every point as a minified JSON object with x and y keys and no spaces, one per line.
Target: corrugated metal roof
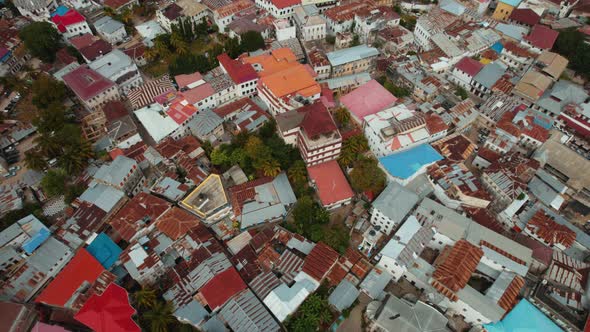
{"x":343,"y":295}
{"x":245,"y":313}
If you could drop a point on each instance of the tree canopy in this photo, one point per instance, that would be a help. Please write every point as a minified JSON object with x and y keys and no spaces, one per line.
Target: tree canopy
{"x":42,"y":40}
{"x":47,"y":91}
{"x":313,"y":312}
{"x":572,"y":44}
{"x":54,"y":182}
{"x":367,"y":176}
{"x":251,"y":41}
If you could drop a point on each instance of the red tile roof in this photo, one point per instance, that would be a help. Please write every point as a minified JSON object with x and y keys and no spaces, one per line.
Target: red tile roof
{"x":176,"y":222}
{"x":455,"y":267}
{"x":83,"y":268}
{"x":109,"y":312}
{"x":141,"y":210}
{"x":543,"y":226}
{"x":317,"y":120}
{"x":469,"y":66}
{"x":238,"y":71}
{"x":86,"y":83}
{"x":319,"y":261}
{"x":510,"y":296}
{"x":542,"y":37}
{"x":280,"y":4}
{"x":69,"y":18}
{"x":525,"y":16}
{"x":488,"y":154}
{"x":222,"y":287}
{"x":518,"y":50}
{"x":82,"y":41}
{"x":245,"y":192}
{"x":331,"y":183}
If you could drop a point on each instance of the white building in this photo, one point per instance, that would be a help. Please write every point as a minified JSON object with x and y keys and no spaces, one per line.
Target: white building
{"x":122,"y":174}
{"x":70,"y":23}
{"x":36,"y":10}
{"x":119,"y":68}
{"x":310,"y":25}
{"x":158,"y":124}
{"x":279,"y":8}
{"x":110,"y":30}
{"x":192,"y":11}
{"x":392,"y":206}
{"x":284,"y":29}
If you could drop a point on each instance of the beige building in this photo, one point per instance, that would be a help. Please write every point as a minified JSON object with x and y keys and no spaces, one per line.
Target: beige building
{"x":93,"y":89}
{"x":352,"y":60}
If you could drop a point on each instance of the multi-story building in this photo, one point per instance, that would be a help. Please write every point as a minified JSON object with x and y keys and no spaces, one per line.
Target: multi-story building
{"x":93,"y":89}
{"x":284,"y":83}
{"x":318,"y":139}
{"x":367,"y":21}
{"x":504,"y":9}
{"x":279,"y":8}
{"x":310,"y":25}
{"x":171,"y":15}
{"x":392,"y":206}
{"x":70,"y":22}
{"x":464,"y":72}
{"x":352,"y":60}
{"x":119,"y":68}
{"x":431,"y":24}
{"x":110,"y":30}
{"x":242,"y":74}
{"x":339,"y":19}
{"x":122,"y":174}
{"x":36,"y":10}
{"x":516,"y":57}
{"x":225,"y":12}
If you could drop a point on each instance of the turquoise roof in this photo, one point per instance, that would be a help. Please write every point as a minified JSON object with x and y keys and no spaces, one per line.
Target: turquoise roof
{"x":524,"y":317}
{"x":60,"y":11}
{"x":513,"y":3}
{"x":104,"y":250}
{"x":404,"y":164}
{"x":497,"y":47}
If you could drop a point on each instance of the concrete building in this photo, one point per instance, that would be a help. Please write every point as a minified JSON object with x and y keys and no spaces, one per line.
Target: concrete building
{"x":352,"y":60}
{"x":172,"y":14}
{"x":70,"y":22}
{"x":110,"y":30}
{"x":208,"y":201}
{"x":36,"y":10}
{"x":93,"y":89}
{"x":122,"y":174}
{"x":392,"y":206}
{"x":310,"y":25}
{"x":119,"y":68}
{"x":279,"y":8}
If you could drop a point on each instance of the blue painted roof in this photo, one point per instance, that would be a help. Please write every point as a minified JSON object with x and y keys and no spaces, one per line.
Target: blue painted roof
{"x":36,"y":240}
{"x":404,"y":164}
{"x":513,"y":3}
{"x":497,"y":47}
{"x":104,"y":250}
{"x":60,"y":11}
{"x":524,"y":317}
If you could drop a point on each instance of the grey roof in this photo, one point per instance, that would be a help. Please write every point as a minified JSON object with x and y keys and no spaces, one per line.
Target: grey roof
{"x":204,"y":123}
{"x":245,"y":313}
{"x":343,"y":295}
{"x":103,"y":196}
{"x":490,"y":74}
{"x":562,"y":93}
{"x":289,"y":120}
{"x":270,"y":202}
{"x":348,"y":80}
{"x":121,"y":127}
{"x":31,"y":5}
{"x":169,"y":188}
{"x":484,"y":304}
{"x":419,"y":317}
{"x":193,"y":313}
{"x":264,"y":283}
{"x":543,"y":191}
{"x":32,"y":178}
{"x":396,"y":202}
{"x":107,"y":25}
{"x":513,"y":31}
{"x":351,"y":54}
{"x":375,"y":282}
{"x":551,"y":180}
{"x":115,"y":172}
{"x":111,"y":64}
{"x":213,"y":325}
{"x":408,"y":243}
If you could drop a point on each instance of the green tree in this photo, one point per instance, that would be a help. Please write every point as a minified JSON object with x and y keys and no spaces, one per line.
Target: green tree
{"x":355,"y":40}
{"x":367,"y":176}
{"x":42,"y":40}
{"x":179,"y":44}
{"x":219,"y":156}
{"x":251,"y":41}
{"x":461,"y":93}
{"x":232,"y":47}
{"x":35,"y":160}
{"x":160,"y":317}
{"x":330,"y":39}
{"x":297,"y":173}
{"x":342,"y":116}
{"x":145,"y":298}
{"x":312,"y":313}
{"x":54,"y":182}
{"x":354,"y":148}
{"x":47,"y":91}
{"x":271,"y":167}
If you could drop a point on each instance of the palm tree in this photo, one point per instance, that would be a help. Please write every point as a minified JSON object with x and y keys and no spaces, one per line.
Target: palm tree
{"x":346,"y":157}
{"x":160,"y":317}
{"x":297,"y":172}
{"x":145,"y":298}
{"x":76,"y":155}
{"x":161,"y":48}
{"x":178,"y":43}
{"x":151,"y":53}
{"x":357,"y":144}
{"x":271,"y":167}
{"x":34,"y":160}
{"x":342,"y":116}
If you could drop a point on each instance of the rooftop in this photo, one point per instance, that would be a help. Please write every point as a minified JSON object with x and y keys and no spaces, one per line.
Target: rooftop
{"x":524,"y":316}
{"x":141,"y":210}
{"x":395,"y":202}
{"x":330,"y":182}
{"x":542,"y":37}
{"x":176,"y":222}
{"x":552,"y":233}
{"x":454,"y":267}
{"x":221,"y":288}
{"x":351,"y":54}
{"x":238,"y":71}
{"x":319,"y":261}
{"x":406,"y":163}
{"x":86,"y":82}
{"x":469,"y":66}
{"x":104,"y":250}
{"x":525,"y":16}
{"x":367,"y":99}
{"x":207,"y":197}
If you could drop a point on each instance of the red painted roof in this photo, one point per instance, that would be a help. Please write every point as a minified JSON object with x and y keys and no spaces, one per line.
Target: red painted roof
{"x":542,"y":37}
{"x":435,"y":124}
{"x":330,"y":181}
{"x":469,"y":66}
{"x":317,"y":120}
{"x":82,"y":41}
{"x":115,"y":4}
{"x":222,"y":287}
{"x":244,"y":104}
{"x":319,"y":261}
{"x":109,"y":312}
{"x":181,"y":110}
{"x":525,"y":16}
{"x":69,"y":18}
{"x":82,"y":268}
{"x":176,"y":222}
{"x":280,"y":4}
{"x":96,"y":49}
{"x":238,"y":71}
{"x":86,"y":83}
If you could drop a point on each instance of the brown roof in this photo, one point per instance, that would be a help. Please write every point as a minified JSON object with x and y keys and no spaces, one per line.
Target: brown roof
{"x":140,"y":211}
{"x":510,"y":296}
{"x":454,"y":268}
{"x":319,"y":261}
{"x":245,"y":192}
{"x":176,"y":222}
{"x":543,"y":226}
{"x":456,"y":148}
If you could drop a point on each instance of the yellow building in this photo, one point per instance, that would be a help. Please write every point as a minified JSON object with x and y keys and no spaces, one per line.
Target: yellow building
{"x":504,"y":9}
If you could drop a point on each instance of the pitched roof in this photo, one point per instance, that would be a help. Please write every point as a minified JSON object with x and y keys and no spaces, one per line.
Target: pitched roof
{"x":222,"y":287}
{"x":525,"y":16}
{"x":542,"y":37}
{"x":469,"y":66}
{"x":245,"y":312}
{"x":331,"y":183}
{"x":317,"y":120}
{"x":87,"y":83}
{"x":176,"y":222}
{"x":69,"y":18}
{"x":456,"y":266}
{"x":368,"y":99}
{"x":543,"y":226}
{"x":238,"y":71}
{"x":96,"y":49}
{"x":115,"y":4}
{"x":142,"y":208}
{"x":83,"y":268}
{"x":109,"y":312}
{"x":319,"y":261}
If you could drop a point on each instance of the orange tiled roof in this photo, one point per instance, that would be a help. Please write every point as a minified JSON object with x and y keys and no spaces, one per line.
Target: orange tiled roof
{"x":456,"y":265}
{"x":551,"y":232}
{"x":510,"y":296}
